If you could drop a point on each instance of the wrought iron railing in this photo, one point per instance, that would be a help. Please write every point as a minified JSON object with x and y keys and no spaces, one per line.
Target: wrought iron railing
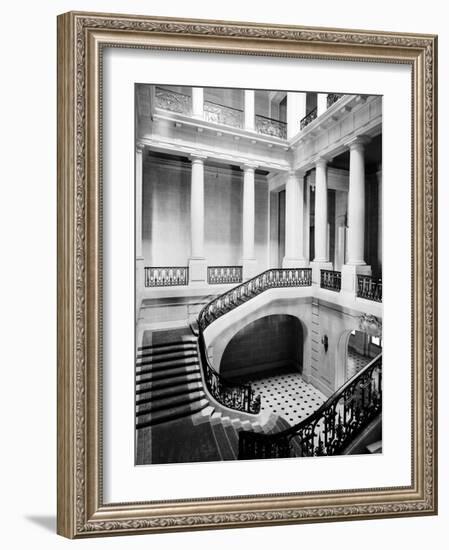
{"x":369,"y":288}
{"x":332,"y":98}
{"x":222,"y":114}
{"x":272,"y":278}
{"x":331,"y":280}
{"x":218,"y":274}
{"x":173,"y":101}
{"x":166,"y":276}
{"x":310,"y":116}
{"x":271,"y":127}
{"x":240,"y":397}
{"x":331,"y":428}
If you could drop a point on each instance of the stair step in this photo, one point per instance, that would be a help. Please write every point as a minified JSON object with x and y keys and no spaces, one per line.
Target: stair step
{"x":165,"y":357}
{"x":143,"y":369}
{"x":168,"y":373}
{"x":224,"y":447}
{"x":168,"y":403}
{"x":186,"y":378}
{"x":189,"y":340}
{"x":158,"y":417}
{"x":165,"y":351}
{"x":169,"y":391}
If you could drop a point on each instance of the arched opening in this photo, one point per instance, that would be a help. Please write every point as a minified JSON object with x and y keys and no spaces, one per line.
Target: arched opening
{"x":268,"y":346}
{"x":362,"y":348}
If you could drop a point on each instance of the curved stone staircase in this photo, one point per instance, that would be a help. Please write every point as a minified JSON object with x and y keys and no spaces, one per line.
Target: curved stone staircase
{"x":173,"y":407}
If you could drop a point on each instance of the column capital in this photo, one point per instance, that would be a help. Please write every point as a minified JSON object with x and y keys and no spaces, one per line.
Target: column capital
{"x":321,"y":161}
{"x":248,"y":166}
{"x":140,"y":146}
{"x":296,"y":173}
{"x":358,"y":142}
{"x":198,"y":157}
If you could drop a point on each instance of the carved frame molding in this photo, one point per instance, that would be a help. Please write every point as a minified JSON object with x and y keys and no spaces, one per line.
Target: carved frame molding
{"x":81,"y":37}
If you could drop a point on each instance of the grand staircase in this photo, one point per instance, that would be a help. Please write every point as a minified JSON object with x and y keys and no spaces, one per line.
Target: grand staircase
{"x":171,"y":401}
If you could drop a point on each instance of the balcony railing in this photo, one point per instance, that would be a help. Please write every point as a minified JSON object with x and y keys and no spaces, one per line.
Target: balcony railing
{"x":272,"y":278}
{"x":331,"y":280}
{"x":331,"y":428}
{"x":271,"y":127}
{"x":222,"y":114}
{"x":369,"y":288}
{"x":173,"y":101}
{"x":332,"y":98}
{"x":166,"y":276}
{"x":310,"y":116}
{"x":217,"y":275}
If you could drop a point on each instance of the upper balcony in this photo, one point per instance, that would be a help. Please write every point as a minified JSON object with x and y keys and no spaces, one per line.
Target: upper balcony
{"x":274,"y":130}
{"x":279,"y":115}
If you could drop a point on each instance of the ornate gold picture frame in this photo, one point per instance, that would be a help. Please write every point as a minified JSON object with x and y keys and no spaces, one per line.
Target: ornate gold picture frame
{"x":82,"y":39}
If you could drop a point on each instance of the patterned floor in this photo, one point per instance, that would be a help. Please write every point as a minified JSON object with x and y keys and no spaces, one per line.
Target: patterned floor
{"x":355,"y":362}
{"x":288,"y":395}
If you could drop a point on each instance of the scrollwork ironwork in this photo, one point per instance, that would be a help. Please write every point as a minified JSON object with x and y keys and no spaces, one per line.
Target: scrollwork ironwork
{"x":331,"y":428}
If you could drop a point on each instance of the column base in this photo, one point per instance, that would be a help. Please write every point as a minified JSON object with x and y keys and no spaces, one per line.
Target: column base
{"x":288,"y":263}
{"x":317,"y":266}
{"x":349,"y":276}
{"x":249,"y":268}
{"x":197,"y":271}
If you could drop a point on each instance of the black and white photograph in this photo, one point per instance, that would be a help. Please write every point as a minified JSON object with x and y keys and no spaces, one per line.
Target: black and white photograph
{"x":258,"y":252}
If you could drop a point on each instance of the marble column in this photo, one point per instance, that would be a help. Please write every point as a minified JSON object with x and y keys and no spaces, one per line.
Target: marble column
{"x":379,"y":219}
{"x":296,"y":110}
{"x":198,"y":102}
{"x":197,"y":261}
{"x":321,"y":104}
{"x":355,"y":263}
{"x":321,"y":251}
{"x":249,"y":262}
{"x":321,"y":260}
{"x":249,"y":109}
{"x":294,"y":221}
{"x":140,"y":283}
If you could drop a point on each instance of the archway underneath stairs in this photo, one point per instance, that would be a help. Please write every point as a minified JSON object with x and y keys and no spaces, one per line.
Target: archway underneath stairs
{"x":269,"y":345}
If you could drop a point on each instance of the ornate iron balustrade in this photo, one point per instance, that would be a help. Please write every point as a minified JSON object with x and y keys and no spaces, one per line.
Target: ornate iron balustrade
{"x":331,"y":280}
{"x":218,"y":274}
{"x":331,"y":428}
{"x":310,"y":116}
{"x":173,"y":101}
{"x":272,"y":278}
{"x":166,"y":276}
{"x":240,"y":397}
{"x":369,"y":288}
{"x":271,"y":127}
{"x":221,"y":114}
{"x":332,"y":98}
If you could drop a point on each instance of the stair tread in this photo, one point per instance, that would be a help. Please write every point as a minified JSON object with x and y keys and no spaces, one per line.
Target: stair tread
{"x":173,"y":413}
{"x":160,"y":345}
{"x":168,"y":403}
{"x":166,"y":357}
{"x":171,"y":372}
{"x":170,"y":391}
{"x":153,"y":352}
{"x":141,"y":369}
{"x":168,"y":382}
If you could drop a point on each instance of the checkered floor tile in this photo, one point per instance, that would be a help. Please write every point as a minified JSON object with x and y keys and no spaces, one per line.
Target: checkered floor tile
{"x":288,"y":395}
{"x":356,"y":362}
